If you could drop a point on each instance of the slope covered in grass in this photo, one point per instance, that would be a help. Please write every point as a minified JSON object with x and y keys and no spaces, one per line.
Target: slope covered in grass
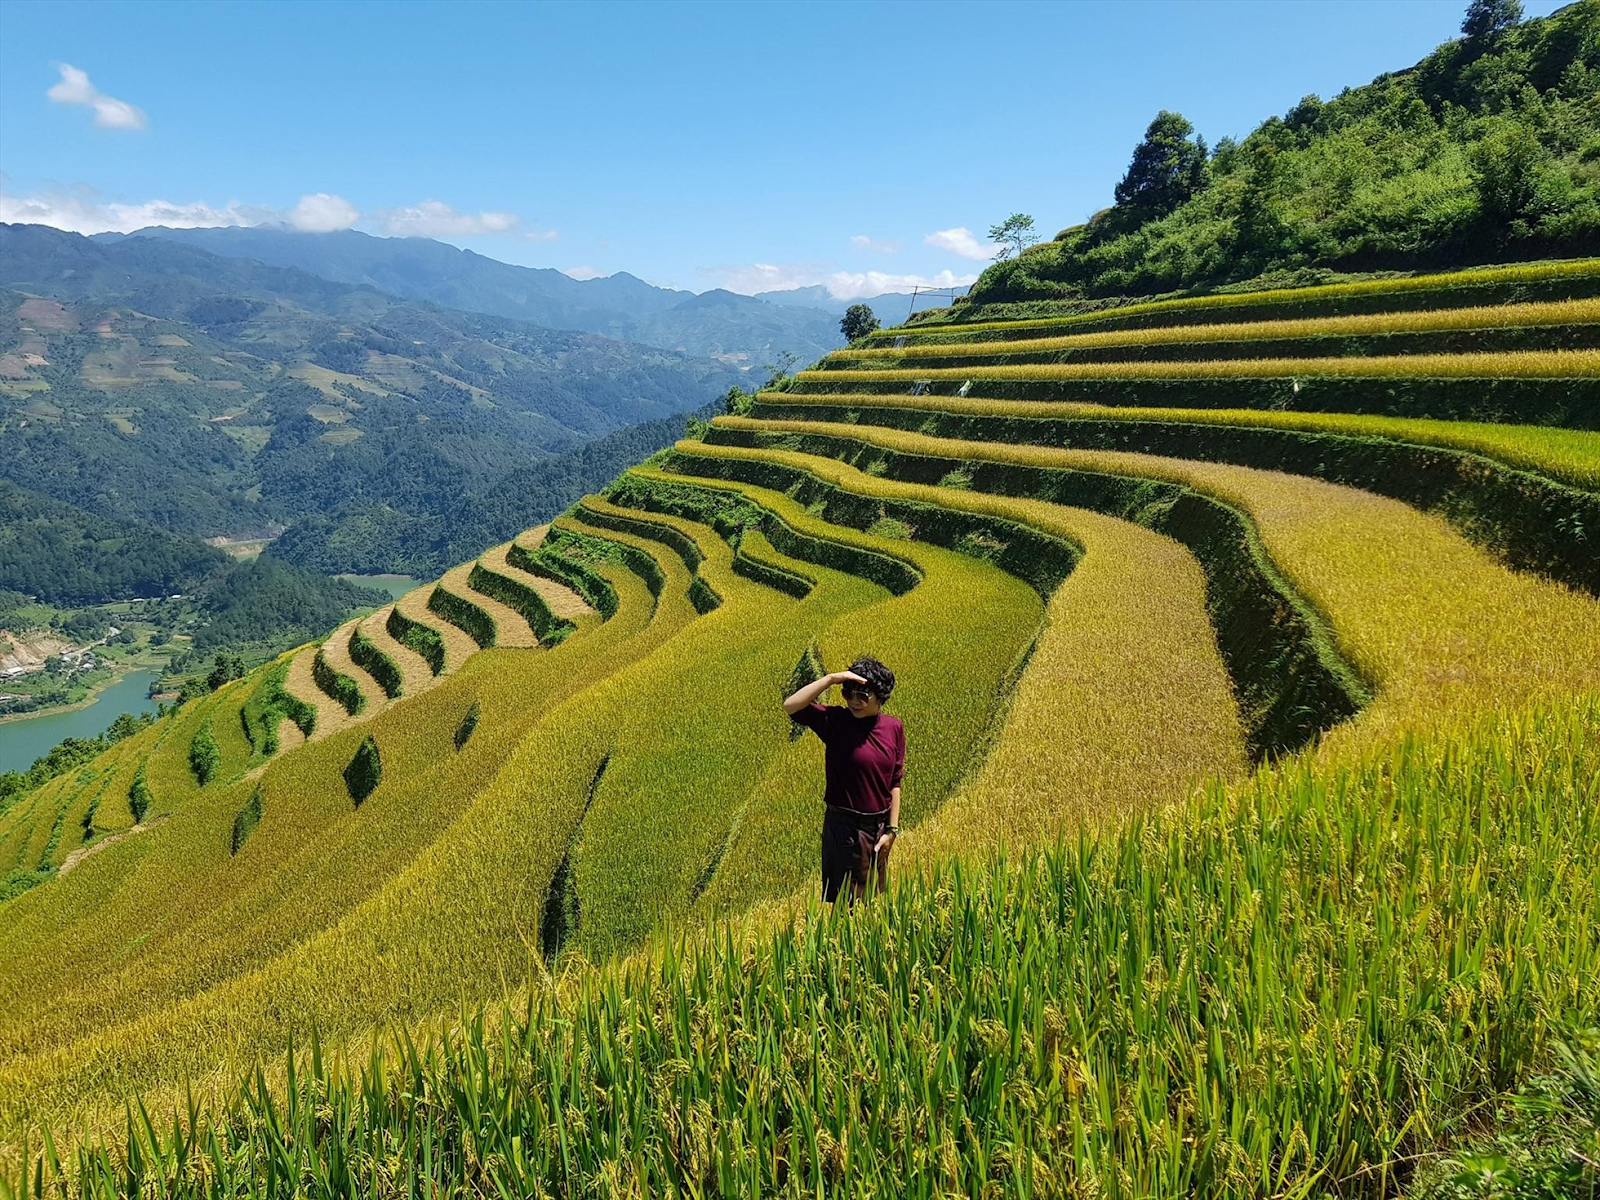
{"x":1483,"y":151}
{"x":1302,"y":986}
{"x":1251,"y":760}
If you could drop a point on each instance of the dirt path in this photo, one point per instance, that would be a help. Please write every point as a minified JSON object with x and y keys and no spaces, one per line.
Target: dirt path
{"x":458,"y":647}
{"x":510,"y":629}
{"x":415,"y":675}
{"x":331,"y":716}
{"x":337,"y":652}
{"x":289,"y":736}
{"x":77,"y":856}
{"x":564,"y":602}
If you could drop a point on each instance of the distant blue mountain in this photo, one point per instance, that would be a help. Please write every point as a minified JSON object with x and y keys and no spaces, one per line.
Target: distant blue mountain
{"x":745,"y":331}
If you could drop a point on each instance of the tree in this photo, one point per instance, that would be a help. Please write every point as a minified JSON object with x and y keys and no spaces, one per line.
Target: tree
{"x":1167,"y":168}
{"x":1486,"y":18}
{"x":224,"y":667}
{"x":858,"y":321}
{"x":1015,"y":234}
{"x":1507,"y":166}
{"x":781,"y":371}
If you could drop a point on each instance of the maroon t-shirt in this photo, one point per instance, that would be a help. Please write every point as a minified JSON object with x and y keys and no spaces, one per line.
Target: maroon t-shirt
{"x":864,"y":758}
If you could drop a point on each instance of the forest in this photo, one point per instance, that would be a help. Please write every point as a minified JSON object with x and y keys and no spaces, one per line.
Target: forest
{"x":1488,"y":150}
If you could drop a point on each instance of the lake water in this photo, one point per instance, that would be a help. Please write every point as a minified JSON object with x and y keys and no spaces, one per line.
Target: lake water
{"x":395,"y":585}
{"x":24,"y":740}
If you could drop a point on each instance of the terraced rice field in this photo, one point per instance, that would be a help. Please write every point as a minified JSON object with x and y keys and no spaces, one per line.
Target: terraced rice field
{"x":402,"y":670}
{"x":1251,"y":703}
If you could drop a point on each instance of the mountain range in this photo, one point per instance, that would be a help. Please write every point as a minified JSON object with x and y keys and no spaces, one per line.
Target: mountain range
{"x":745,"y":331}
{"x":374,"y":403}
{"x":152,"y":381}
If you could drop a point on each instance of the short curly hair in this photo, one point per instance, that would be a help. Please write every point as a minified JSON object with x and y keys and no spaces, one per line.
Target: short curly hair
{"x":879,"y":678}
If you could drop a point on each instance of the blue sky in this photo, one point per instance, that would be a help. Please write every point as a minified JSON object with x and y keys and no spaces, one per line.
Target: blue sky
{"x":753,"y":146}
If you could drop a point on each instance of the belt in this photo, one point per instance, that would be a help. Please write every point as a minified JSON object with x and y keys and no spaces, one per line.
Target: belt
{"x":860,"y":818}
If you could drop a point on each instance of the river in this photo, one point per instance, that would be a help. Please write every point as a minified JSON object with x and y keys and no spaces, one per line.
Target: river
{"x":22,"y":741}
{"x":395,"y":585}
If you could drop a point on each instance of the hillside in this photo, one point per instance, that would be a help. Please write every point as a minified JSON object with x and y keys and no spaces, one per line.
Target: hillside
{"x":67,"y":557}
{"x":1259,"y":630}
{"x":1486,"y":151}
{"x":169,"y":601}
{"x":213,"y":396}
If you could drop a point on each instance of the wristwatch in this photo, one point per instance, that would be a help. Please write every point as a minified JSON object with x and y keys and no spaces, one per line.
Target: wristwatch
{"x":894,"y":829}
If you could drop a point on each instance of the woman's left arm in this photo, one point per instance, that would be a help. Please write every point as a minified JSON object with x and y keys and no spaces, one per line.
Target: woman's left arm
{"x":888,"y":837}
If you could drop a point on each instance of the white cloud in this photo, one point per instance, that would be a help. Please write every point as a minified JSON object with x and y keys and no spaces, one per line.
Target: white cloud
{"x":842,"y":285}
{"x":962,"y":241}
{"x":86,"y":214}
{"x":851,"y":285}
{"x":862,"y":242}
{"x":584,"y":272}
{"x":323,"y":213}
{"x":432,"y":218}
{"x":109,"y":112}
{"x":83,"y":211}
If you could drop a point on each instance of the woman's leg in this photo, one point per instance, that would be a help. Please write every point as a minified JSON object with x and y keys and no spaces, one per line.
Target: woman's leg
{"x":837,"y":848}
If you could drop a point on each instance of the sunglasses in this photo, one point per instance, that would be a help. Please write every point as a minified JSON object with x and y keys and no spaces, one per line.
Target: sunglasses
{"x":850,"y":691}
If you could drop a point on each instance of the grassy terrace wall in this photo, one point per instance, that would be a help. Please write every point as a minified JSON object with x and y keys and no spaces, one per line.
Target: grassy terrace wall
{"x":1556,"y":320}
{"x":1541,"y":282}
{"x":678,"y":541}
{"x":1290,"y":680}
{"x":366,"y":655}
{"x":268,"y":706}
{"x":1531,"y":522}
{"x":590,"y":547}
{"x":724,"y":510}
{"x":416,"y":636}
{"x":1039,"y":559}
{"x":464,"y":615}
{"x":205,"y":760}
{"x":756,"y":566}
{"x":702,"y":595}
{"x":1572,"y":403}
{"x":337,"y":686}
{"x":546,"y":626}
{"x":1460,"y":341}
{"x":548,"y":562}
{"x":245,"y":822}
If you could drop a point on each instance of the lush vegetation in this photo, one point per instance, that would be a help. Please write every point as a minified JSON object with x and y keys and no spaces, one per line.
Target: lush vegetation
{"x":365,"y":771}
{"x":1487,"y":149}
{"x":1413,"y":702}
{"x":269,"y":705}
{"x":66,"y":755}
{"x":370,"y":658}
{"x":67,"y":557}
{"x":245,"y":823}
{"x":336,"y":685}
{"x":85,"y":575}
{"x":204,"y":757}
{"x":1285,"y":989}
{"x":466,"y":616}
{"x":1254,"y":718}
{"x":232,"y":398}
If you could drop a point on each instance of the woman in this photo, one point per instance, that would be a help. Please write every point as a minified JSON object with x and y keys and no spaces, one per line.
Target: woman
{"x":864,"y":760}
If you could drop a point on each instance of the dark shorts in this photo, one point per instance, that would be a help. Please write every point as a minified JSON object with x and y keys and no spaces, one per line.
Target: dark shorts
{"x":847,"y":842}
